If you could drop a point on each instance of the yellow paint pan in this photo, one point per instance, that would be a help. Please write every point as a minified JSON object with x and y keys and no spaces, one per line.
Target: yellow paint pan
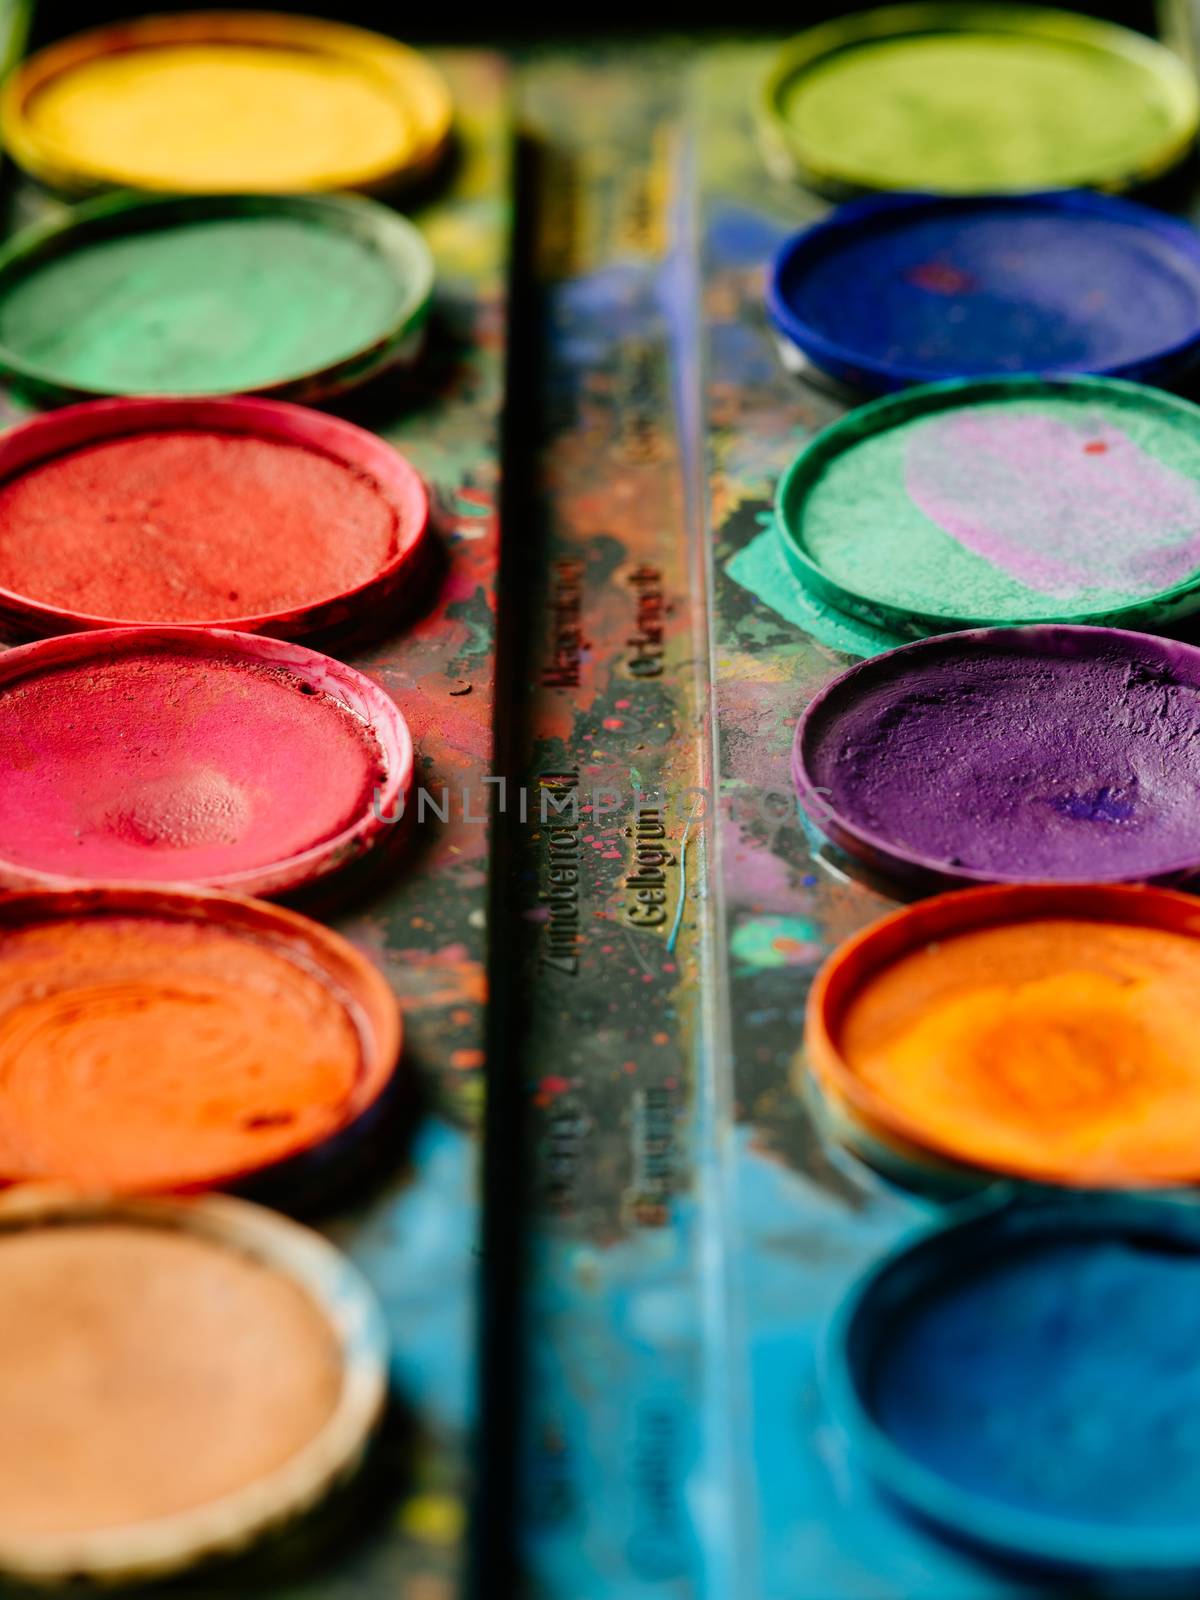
{"x":225,"y":102}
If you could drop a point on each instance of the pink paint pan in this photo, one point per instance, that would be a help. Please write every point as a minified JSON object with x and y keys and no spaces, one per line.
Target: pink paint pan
{"x":247,"y":514}
{"x":188,"y":756}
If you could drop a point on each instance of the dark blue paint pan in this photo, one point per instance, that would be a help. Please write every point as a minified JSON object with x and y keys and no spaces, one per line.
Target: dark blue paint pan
{"x":1027,"y":1380}
{"x":910,"y":289}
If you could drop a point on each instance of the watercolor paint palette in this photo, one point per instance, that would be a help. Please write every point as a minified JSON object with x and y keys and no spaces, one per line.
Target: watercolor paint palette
{"x":399,"y":1195}
{"x":609,"y":1297}
{"x":818,"y":1191}
{"x":296,"y":298}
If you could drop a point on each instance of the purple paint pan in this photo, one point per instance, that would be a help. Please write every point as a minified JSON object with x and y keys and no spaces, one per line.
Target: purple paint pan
{"x":1052,"y":753}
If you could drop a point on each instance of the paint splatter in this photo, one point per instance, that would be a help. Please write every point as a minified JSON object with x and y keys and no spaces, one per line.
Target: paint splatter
{"x":766,"y":942}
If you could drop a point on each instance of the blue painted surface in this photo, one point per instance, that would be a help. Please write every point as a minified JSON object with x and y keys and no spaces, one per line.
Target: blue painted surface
{"x":414,"y":1246}
{"x":909,"y":289}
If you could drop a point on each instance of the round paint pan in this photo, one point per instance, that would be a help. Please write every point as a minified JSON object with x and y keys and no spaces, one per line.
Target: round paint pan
{"x":295,"y":298}
{"x":178,"y":1381}
{"x":1007,"y":755}
{"x":1002,"y":501}
{"x":175,"y":755}
{"x":964,"y":99}
{"x":226,"y":102}
{"x":249,"y":514}
{"x":1037,"y":1032}
{"x":910,"y":289}
{"x":1025,"y":1381}
{"x":156,"y":1040}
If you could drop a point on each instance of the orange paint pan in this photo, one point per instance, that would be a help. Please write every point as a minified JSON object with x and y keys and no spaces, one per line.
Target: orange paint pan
{"x":1040,"y":1032}
{"x":158,"y":1040}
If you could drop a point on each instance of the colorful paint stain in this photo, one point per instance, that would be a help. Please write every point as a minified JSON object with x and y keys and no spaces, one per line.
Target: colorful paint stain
{"x":767,"y":942}
{"x":759,"y":567}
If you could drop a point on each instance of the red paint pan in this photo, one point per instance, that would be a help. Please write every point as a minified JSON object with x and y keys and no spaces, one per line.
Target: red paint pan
{"x":193,"y":756}
{"x":247,"y":514}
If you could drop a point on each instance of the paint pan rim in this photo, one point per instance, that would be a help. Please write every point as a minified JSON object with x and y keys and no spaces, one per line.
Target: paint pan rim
{"x":876,"y":948}
{"x":374,"y":55}
{"x":991,"y":1524}
{"x":876,"y":417}
{"x":1032,"y":640}
{"x":918,"y":1172}
{"x":886,"y":213}
{"x":367,"y":222}
{"x":322,"y":954}
{"x":788,"y":156}
{"x":54,"y":434}
{"x":363,"y":699}
{"x":224,"y":1527}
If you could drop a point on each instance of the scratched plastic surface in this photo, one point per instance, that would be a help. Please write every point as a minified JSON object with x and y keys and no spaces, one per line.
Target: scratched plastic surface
{"x":415,"y":1232}
{"x":611,"y":957}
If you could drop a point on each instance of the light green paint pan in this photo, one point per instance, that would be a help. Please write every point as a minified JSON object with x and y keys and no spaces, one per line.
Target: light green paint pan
{"x":296,"y":297}
{"x":976,"y":99}
{"x":998,"y":502}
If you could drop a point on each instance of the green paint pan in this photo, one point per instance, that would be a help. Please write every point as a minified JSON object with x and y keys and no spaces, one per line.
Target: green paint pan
{"x":292,"y":297}
{"x":998,"y":502}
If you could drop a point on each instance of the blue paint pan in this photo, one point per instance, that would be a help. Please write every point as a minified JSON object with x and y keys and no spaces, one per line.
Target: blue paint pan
{"x":1028,"y":1381}
{"x":910,"y":289}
